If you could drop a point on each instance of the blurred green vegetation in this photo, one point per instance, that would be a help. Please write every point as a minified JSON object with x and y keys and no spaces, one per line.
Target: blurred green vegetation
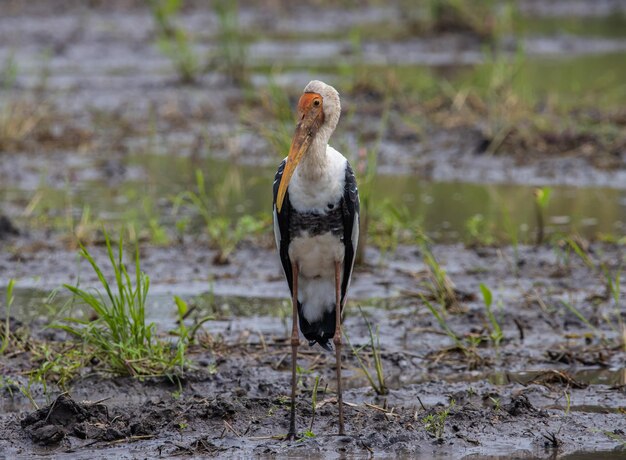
{"x":237,"y":196}
{"x":519,"y":104}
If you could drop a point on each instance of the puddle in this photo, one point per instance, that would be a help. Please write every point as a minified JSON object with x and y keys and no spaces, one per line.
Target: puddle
{"x":606,"y":455}
{"x":610,"y":377}
{"x":594,"y":376}
{"x":443,"y":209}
{"x":609,"y":25}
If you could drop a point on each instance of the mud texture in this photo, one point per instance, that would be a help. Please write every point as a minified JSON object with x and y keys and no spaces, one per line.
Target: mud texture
{"x":7,"y":228}
{"x":550,"y":389}
{"x":241,"y":410}
{"x":94,"y":90}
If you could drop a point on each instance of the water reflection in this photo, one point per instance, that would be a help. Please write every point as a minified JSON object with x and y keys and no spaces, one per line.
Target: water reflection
{"x":443,"y":209}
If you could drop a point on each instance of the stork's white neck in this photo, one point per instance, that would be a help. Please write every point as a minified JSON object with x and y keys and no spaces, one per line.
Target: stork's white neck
{"x":315,"y":160}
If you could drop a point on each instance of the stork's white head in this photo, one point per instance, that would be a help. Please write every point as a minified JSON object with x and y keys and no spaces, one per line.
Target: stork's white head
{"x":319,"y":109}
{"x":331,"y":105}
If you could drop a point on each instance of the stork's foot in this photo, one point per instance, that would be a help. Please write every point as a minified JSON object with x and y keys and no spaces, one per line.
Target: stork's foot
{"x":292,"y":436}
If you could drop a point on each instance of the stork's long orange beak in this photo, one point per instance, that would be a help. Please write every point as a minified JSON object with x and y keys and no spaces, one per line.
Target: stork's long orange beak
{"x":311,"y":118}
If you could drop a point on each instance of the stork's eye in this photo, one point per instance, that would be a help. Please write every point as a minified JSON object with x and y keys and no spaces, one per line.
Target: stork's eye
{"x":316,"y":102}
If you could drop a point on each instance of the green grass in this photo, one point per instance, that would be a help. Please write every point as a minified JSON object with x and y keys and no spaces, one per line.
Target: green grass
{"x":8,"y":302}
{"x":439,"y":285}
{"x":612,"y":282}
{"x":232,"y":51}
{"x":542,"y":199}
{"x":435,"y":424}
{"x":488,"y":20}
{"x":495,"y":334}
{"x":173,"y":41}
{"x":224,"y":232}
{"x":268,"y":112}
{"x":468,"y":345}
{"x":377,"y":384}
{"x":478,"y":231}
{"x":390,"y":224}
{"x":57,"y":363}
{"x":313,"y":406}
{"x":613,"y":290}
{"x":184,"y":333}
{"x":8,"y":72}
{"x":120,"y":337}
{"x":440,"y":316}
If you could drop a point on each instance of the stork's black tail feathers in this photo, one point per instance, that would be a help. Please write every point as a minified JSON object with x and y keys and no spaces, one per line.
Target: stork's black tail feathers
{"x":321,"y":331}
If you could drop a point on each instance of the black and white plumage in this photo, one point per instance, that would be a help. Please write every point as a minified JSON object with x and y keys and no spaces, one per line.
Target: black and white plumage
{"x":339,"y":221}
{"x":316,"y":225}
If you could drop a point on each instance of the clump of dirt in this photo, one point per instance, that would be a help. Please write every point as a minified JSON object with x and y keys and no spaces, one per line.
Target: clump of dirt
{"x":66,"y":417}
{"x":519,"y":405}
{"x":7,"y":228}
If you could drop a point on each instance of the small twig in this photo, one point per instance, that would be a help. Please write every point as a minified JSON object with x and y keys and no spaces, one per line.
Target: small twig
{"x":273,"y":436}
{"x":333,"y":400}
{"x":121,"y":440}
{"x":230,"y":427}
{"x":133,"y":438}
{"x":53,"y":405}
{"x":421,"y":403}
{"x":262,"y":340}
{"x":368,"y":448}
{"x":100,"y":401}
{"x":476,"y":442}
{"x":381,"y":409}
{"x":280,"y":361}
{"x":520,"y":328}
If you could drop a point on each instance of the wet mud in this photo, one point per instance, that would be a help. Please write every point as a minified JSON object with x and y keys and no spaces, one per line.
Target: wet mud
{"x":551,"y":388}
{"x":240,"y":424}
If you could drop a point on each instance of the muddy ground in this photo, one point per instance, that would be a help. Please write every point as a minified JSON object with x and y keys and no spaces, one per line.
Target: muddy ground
{"x":95,"y":89}
{"x":510,"y":399}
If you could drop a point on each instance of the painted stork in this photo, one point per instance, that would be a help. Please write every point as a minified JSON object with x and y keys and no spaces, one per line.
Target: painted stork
{"x":316,"y":225}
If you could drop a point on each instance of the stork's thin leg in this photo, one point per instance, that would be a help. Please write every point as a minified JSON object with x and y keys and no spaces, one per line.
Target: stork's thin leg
{"x":295,"y":341}
{"x":337,"y":342}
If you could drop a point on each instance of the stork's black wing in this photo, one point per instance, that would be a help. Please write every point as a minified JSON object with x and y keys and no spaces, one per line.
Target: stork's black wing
{"x":350,"y":206}
{"x":281,"y":226}
{"x":321,"y":331}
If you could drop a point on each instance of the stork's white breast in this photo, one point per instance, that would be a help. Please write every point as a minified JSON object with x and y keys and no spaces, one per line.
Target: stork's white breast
{"x":316,"y":255}
{"x":314,"y":196}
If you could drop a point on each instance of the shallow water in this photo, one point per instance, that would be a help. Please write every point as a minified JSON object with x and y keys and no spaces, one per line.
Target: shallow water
{"x":444,"y":210}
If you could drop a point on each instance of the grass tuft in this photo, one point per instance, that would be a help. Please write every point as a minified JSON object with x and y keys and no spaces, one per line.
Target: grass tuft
{"x":6,"y":335}
{"x":378,"y":385}
{"x":435,"y":424}
{"x":496,"y":335}
{"x":232,"y":51}
{"x":440,"y":285}
{"x":224,"y":232}
{"x":120,"y":336}
{"x":173,"y":41}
